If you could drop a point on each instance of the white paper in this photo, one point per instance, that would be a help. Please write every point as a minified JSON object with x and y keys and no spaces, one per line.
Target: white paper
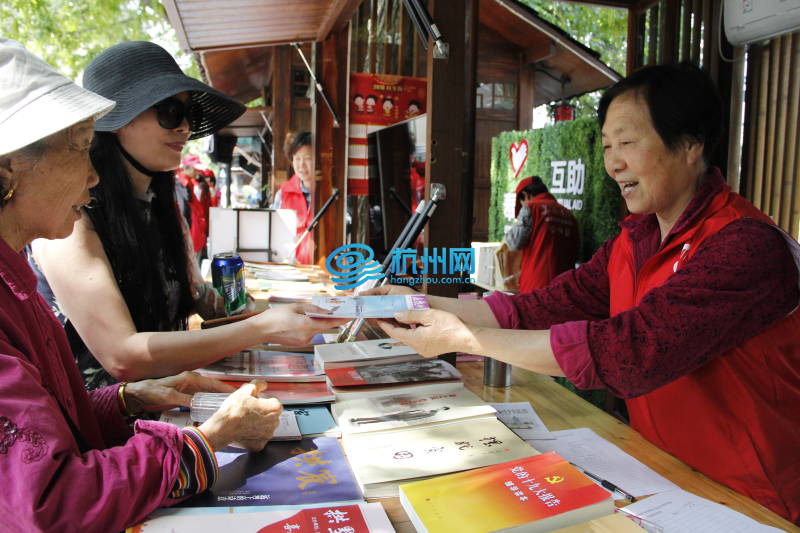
{"x":678,"y":511}
{"x":522,"y":419}
{"x":594,"y":454}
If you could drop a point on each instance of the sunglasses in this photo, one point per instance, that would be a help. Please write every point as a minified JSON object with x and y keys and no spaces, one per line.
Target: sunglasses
{"x":171,"y":112}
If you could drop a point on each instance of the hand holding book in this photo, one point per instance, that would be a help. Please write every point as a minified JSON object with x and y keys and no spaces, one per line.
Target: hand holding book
{"x":430,"y":332}
{"x":244,"y":418}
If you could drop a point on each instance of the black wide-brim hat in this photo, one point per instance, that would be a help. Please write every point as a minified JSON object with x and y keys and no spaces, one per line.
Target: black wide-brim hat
{"x":139,"y":74}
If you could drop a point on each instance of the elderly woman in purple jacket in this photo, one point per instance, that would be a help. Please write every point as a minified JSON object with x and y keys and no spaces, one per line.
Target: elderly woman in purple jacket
{"x":69,"y":459}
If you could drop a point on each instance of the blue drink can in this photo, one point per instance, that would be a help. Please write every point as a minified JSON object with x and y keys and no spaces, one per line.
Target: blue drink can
{"x":227,"y":276}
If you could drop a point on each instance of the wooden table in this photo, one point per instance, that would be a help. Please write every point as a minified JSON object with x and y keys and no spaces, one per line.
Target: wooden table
{"x":562,"y":409}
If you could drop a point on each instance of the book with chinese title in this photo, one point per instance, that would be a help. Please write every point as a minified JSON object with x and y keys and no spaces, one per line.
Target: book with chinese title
{"x":449,"y":401}
{"x":359,"y":353}
{"x":381,"y":460}
{"x":539,"y":493}
{"x":357,"y":518}
{"x":384,"y":306}
{"x":266,"y":365}
{"x":393,"y":373}
{"x":310,"y":471}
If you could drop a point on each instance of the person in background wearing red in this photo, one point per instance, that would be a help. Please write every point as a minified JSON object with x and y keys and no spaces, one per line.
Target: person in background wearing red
{"x":199,"y":202}
{"x":545,"y":231}
{"x":213,"y":192}
{"x":298,"y":191}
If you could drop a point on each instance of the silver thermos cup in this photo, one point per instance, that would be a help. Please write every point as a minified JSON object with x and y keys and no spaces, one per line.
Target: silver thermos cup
{"x":496,"y":373}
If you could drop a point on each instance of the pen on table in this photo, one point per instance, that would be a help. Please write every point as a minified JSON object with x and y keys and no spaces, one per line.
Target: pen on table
{"x":607,"y":484}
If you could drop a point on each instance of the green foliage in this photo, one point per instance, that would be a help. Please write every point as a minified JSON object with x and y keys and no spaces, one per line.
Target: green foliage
{"x":603,"y":29}
{"x":67,"y":34}
{"x":565,"y":141}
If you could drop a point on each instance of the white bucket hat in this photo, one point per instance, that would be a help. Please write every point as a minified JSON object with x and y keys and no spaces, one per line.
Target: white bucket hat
{"x":36,"y":101}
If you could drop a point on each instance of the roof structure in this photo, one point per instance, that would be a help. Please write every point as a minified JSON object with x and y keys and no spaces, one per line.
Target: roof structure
{"x":233,"y":40}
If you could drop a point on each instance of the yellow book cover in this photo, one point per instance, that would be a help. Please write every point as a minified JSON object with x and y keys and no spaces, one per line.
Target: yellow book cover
{"x":538,"y":493}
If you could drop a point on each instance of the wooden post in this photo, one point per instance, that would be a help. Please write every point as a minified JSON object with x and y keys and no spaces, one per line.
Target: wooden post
{"x":332,"y":142}
{"x":669,"y":31}
{"x":451,"y":128}
{"x":792,"y":160}
{"x":281,"y":109}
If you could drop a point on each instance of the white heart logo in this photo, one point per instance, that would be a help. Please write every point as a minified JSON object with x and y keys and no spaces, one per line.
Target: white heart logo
{"x":518,"y":154}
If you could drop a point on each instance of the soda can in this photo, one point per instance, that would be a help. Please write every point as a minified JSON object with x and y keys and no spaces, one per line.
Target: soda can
{"x":227,"y":276}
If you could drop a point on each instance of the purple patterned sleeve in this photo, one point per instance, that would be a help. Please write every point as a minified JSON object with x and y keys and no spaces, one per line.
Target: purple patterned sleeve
{"x":580,"y":294}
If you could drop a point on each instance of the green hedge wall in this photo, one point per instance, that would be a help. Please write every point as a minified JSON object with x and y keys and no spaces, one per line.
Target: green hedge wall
{"x":565,"y":141}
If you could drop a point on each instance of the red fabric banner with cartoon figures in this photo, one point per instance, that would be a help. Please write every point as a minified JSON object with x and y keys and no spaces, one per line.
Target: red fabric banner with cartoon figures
{"x":377,"y":101}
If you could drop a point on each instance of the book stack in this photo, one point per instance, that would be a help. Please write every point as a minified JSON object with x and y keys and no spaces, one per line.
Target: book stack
{"x":359,"y":353}
{"x":530,"y":495}
{"x":395,"y":435}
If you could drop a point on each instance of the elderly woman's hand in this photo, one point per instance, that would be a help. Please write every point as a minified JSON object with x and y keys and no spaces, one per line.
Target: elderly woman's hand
{"x":166,"y":393}
{"x":244,"y":419}
{"x":290,"y":326}
{"x":430,"y":332}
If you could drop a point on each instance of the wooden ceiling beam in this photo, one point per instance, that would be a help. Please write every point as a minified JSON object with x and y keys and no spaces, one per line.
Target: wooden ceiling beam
{"x":337,"y":16}
{"x":540,"y":52}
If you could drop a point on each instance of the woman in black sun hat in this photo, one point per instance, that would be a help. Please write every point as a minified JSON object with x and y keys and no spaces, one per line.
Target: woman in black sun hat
{"x":124,"y":278}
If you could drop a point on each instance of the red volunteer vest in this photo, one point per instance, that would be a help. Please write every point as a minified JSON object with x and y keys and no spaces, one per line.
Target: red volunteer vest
{"x":553,"y":247}
{"x":292,"y":197}
{"x":737,"y":418}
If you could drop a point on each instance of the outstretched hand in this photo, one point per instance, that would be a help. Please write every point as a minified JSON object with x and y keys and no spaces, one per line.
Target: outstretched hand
{"x":430,"y":332}
{"x":290,"y":326}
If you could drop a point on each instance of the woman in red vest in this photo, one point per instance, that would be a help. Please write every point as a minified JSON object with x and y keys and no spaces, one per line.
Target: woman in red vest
{"x":545,"y":231}
{"x":298,"y":192}
{"x":690,"y":313}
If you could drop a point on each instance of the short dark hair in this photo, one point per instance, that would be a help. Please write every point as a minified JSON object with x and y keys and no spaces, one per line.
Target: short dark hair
{"x":536,"y":186}
{"x":683,"y":101}
{"x":293,"y":144}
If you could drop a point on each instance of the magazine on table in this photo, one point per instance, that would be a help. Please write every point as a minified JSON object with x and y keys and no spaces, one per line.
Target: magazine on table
{"x":352,"y":518}
{"x":310,"y":471}
{"x":393,"y":373}
{"x":392,"y":410}
{"x":267,"y":365}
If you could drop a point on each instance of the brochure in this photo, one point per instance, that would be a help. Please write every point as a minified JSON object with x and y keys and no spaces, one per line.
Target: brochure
{"x":368,"y":306}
